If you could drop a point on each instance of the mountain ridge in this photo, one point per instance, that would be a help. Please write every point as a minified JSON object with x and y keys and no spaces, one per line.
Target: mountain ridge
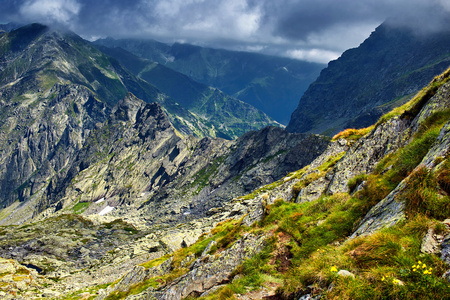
{"x":365,"y":82}
{"x":207,"y":102}
{"x":370,"y":191}
{"x":271,"y":84}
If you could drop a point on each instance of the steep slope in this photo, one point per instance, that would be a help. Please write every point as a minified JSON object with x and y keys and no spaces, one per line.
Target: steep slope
{"x":368,"y":81}
{"x":367,"y":218}
{"x":271,"y":84}
{"x":137,"y":159}
{"x":54,"y":88}
{"x":229,"y":115}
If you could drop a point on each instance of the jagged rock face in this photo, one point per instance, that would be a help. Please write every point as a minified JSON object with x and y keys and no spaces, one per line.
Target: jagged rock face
{"x":368,"y":151}
{"x":138,"y":164}
{"x":209,"y":271}
{"x":150,"y":135}
{"x":368,"y":81}
{"x":49,"y":103}
{"x":155,"y":178}
{"x":41,"y":135}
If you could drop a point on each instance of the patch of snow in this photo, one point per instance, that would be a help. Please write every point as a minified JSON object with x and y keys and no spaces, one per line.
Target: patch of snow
{"x":100,"y":200}
{"x":106,"y":210}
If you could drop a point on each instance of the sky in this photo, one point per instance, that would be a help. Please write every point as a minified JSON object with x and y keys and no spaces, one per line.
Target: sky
{"x":310,"y":30}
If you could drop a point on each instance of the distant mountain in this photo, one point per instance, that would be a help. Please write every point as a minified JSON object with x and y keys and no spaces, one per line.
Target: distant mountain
{"x":365,"y":82}
{"x":225,"y":113}
{"x":271,"y":84}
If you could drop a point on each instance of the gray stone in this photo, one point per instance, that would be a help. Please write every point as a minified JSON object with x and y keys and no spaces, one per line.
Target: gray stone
{"x":345,"y":273}
{"x":212,"y":270}
{"x":445,"y":250}
{"x":446,"y":276}
{"x":431,"y":243}
{"x":386,"y":213}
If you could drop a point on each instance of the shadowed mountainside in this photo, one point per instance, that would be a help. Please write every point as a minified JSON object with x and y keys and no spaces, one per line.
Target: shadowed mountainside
{"x":385,"y":71}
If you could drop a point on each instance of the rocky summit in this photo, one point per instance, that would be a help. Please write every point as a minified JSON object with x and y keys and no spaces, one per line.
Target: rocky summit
{"x":107,"y":196}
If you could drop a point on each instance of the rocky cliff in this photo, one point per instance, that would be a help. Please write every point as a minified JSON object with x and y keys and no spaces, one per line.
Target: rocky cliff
{"x":55,"y":87}
{"x":385,"y":71}
{"x":143,"y":191}
{"x":136,"y":160}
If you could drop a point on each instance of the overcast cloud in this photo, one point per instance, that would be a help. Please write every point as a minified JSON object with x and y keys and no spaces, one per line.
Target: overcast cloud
{"x":312,"y":30}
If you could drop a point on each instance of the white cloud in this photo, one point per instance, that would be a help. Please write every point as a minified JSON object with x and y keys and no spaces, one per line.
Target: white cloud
{"x":445,"y":4}
{"x":342,"y":36}
{"x":326,"y":26}
{"x":313,"y":55}
{"x":232,"y":19}
{"x":62,"y":11}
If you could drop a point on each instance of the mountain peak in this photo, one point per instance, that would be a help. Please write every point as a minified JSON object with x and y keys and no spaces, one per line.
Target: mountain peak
{"x":126,"y":109}
{"x":23,"y":36}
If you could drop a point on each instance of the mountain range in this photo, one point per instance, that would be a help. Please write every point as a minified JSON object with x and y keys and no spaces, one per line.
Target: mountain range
{"x":124,"y":177}
{"x":271,"y":84}
{"x":56,"y":87}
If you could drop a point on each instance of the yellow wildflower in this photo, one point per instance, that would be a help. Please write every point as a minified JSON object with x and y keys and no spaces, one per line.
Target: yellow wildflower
{"x":424,"y":266}
{"x":383,"y":278}
{"x":333,"y":269}
{"x":414,"y":269}
{"x":420,"y":262}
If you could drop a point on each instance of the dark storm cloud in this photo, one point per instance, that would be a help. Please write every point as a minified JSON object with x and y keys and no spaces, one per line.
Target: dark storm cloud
{"x":315,"y":30}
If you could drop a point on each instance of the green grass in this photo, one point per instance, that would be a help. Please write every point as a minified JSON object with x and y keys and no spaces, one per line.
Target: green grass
{"x":352,"y":134}
{"x":80,"y":207}
{"x":262,"y":189}
{"x":225,"y":234}
{"x":155,"y":262}
{"x":318,"y":231}
{"x":423,"y":194}
{"x":331,"y":162}
{"x":315,"y":234}
{"x":354,"y":182}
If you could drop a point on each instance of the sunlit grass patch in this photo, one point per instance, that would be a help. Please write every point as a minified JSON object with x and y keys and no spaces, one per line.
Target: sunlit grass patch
{"x":352,"y":134}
